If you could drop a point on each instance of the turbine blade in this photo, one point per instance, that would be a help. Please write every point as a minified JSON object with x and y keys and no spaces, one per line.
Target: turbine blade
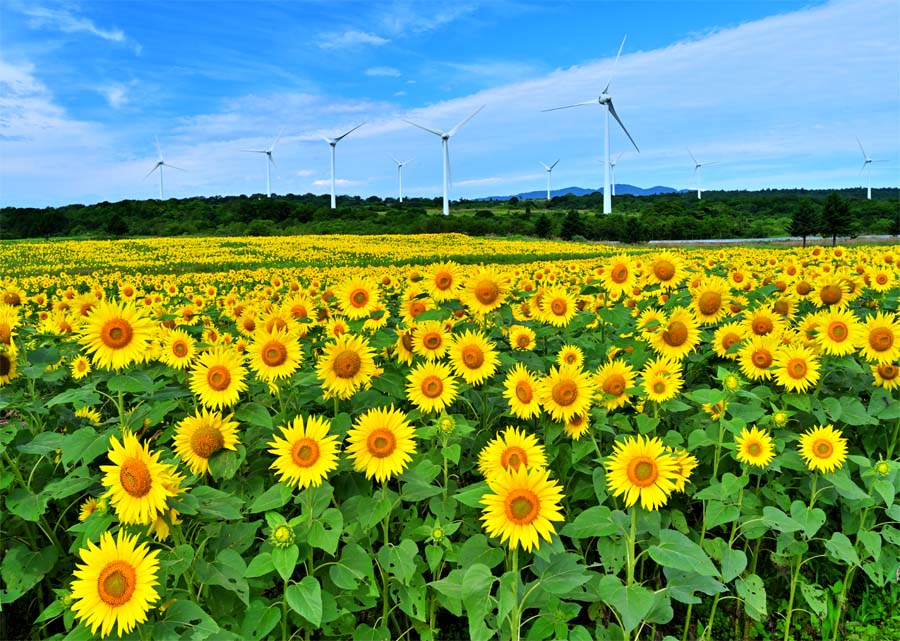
{"x":155,"y":167}
{"x":863,"y":168}
{"x":172,"y":166}
{"x":577,"y":104}
{"x":453,"y":131}
{"x":692,"y":158}
{"x":619,"y":156}
{"x":436,"y":132}
{"x":553,"y":165}
{"x":615,"y":64}
{"x":272,"y":147}
{"x":329,"y":140}
{"x":347,"y":133}
{"x":715,"y":162}
{"x":546,"y":168}
{"x":272,"y":160}
{"x":395,"y":160}
{"x":882,"y":160}
{"x":254,"y":151}
{"x":612,"y":111}
{"x":861,"y":149}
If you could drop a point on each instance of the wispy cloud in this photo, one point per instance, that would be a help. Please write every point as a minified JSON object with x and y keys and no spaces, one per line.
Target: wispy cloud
{"x":350,"y":38}
{"x":116,"y":95}
{"x":389,"y":72}
{"x":404,"y":17}
{"x":62,"y":20}
{"x":338,"y":182}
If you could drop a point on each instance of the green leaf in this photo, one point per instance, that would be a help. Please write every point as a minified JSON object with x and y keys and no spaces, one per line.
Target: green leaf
{"x":810,"y":520}
{"x":284,"y":560}
{"x":682,"y":585}
{"x":471,"y":495}
{"x":22,"y":569}
{"x":846,"y":487}
{"x":135,"y":382}
{"x":26,"y":505}
{"x":854,"y":413}
{"x":434,"y":554}
{"x":677,"y":551}
{"x":563,"y":574}
{"x":83,"y":396}
{"x":718,"y":513}
{"x":842,"y":549}
{"x":260,"y":565}
{"x":325,"y":532}
{"x":477,"y":550}
{"x":871,"y":541}
{"x":885,"y":490}
{"x":594,"y":521}
{"x":217,"y":505}
{"x":259,"y":620}
{"x":227,"y":571}
{"x":753,"y":593}
{"x":254,"y":414}
{"x":633,"y":603}
{"x":225,"y":463}
{"x":415,"y":489}
{"x":73,"y":483}
{"x":177,"y":561}
{"x":271,"y":499}
{"x":42,"y":444}
{"x":305,"y":598}
{"x":189,"y":622}
{"x":399,"y":560}
{"x":451,"y":452}
{"x":475,"y":593}
{"x":815,"y":598}
{"x":84,"y":445}
{"x":779,"y":521}
{"x":733,"y":563}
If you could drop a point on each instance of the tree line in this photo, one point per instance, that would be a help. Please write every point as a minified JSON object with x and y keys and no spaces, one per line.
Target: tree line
{"x":679,"y":216}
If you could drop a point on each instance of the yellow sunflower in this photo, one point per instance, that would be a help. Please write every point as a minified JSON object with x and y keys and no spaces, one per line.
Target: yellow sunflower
{"x":521,"y":337}
{"x":345,"y":365}
{"x":726,"y":337}
{"x":80,"y":367}
{"x":274,"y":355}
{"x":431,"y":387}
{"x":356,"y":297}
{"x":557,"y":307}
{"x":757,"y":356}
{"x":90,"y":414}
{"x":88,"y":507}
{"x":570,"y":354}
{"x":218,"y":377}
{"x":520,"y":507}
{"x":764,"y":322}
{"x":796,"y":368}
{"x":881,"y":338}
{"x":485,"y":291}
{"x":520,"y":389}
{"x":566,"y":392}
{"x":666,"y":270}
{"x":661,"y":379}
{"x":413,"y":304}
{"x":509,"y":451}
{"x":887,"y":375}
{"x":306,"y":453}
{"x":619,"y":275}
{"x":138,"y":485}
{"x":677,"y":336}
{"x":612,"y":382}
{"x":577,"y":426}
{"x":178,"y":349}
{"x":115,"y":585}
{"x":430,"y":340}
{"x":640,"y":468}
{"x":684,"y":465}
{"x":381,"y":443}
{"x":709,"y":300}
{"x":754,"y":447}
{"x":473,"y":357}
{"x":823,"y":448}
{"x":116,"y":335}
{"x":200,"y":436}
{"x":831,"y":291}
{"x":442,"y":281}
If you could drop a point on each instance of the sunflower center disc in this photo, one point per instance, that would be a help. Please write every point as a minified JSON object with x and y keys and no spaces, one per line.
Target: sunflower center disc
{"x":522,"y":507}
{"x":730,"y":339}
{"x":676,"y":334}
{"x":206,"y":441}
{"x":513,"y":457}
{"x":432,"y":340}
{"x":614,"y":385}
{"x":837,"y":331}
{"x":558,"y":307}
{"x":643,"y":471}
{"x":381,"y":443}
{"x":274,"y":354}
{"x":487,"y":292}
{"x":432,"y":387}
{"x":116,"y":583}
{"x":134,"y":475}
{"x":823,"y":448}
{"x":619,"y":274}
{"x":305,"y":452}
{"x":887,"y":372}
{"x":754,"y":449}
{"x":659,"y":386}
{"x":359,"y":298}
{"x":116,"y":333}
{"x":831,"y":294}
{"x":523,"y":392}
{"x":473,"y":357}
{"x":12,"y":298}
{"x":709,"y":303}
{"x":5,"y":365}
{"x":797,"y":368}
{"x":443,"y":280}
{"x":565,"y":392}
{"x":347,"y":364}
{"x":416,"y":308}
{"x":218,"y":377}
{"x":664,"y":270}
{"x":781,"y":307}
{"x":523,"y":340}
{"x":763,"y":326}
{"x":179,"y":349}
{"x":762,"y":358}
{"x":5,"y":333}
{"x":881,"y":339}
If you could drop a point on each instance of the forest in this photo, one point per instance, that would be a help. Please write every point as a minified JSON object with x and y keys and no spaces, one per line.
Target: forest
{"x":678,"y":216}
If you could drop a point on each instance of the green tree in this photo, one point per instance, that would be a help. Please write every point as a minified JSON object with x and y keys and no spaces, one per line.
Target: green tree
{"x":572,"y":225}
{"x":805,"y":220}
{"x":543,"y":226}
{"x":835,"y":218}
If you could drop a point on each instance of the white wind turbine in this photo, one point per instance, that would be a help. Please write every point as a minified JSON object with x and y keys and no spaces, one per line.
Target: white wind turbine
{"x":159,"y":165}
{"x":333,"y":142}
{"x":445,"y":138}
{"x":697,"y":166}
{"x":400,"y":166}
{"x":606,"y":100}
{"x":549,"y":171}
{"x":269,"y":160}
{"x":867,"y":167}
{"x":612,"y":167}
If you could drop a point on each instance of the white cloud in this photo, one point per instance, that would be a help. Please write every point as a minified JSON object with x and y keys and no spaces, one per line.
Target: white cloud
{"x":305,"y":173}
{"x":389,"y":72}
{"x":338,"y":182}
{"x":115,"y":94}
{"x":350,"y":38}
{"x":62,"y":20}
{"x":408,"y":17}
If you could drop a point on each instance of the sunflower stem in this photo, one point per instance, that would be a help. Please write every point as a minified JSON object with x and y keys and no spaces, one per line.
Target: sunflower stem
{"x":385,"y":587}
{"x":515,"y":616}
{"x":795,"y":571}
{"x":284,"y":613}
{"x":336,"y":406}
{"x":631,"y":543}
{"x":892,"y":443}
{"x":120,"y":405}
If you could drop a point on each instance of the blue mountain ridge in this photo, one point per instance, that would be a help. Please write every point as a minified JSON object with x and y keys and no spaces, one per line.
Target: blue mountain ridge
{"x":621,"y":190}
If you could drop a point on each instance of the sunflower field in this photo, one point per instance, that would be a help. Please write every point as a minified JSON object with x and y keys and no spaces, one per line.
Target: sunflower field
{"x":437,"y":437}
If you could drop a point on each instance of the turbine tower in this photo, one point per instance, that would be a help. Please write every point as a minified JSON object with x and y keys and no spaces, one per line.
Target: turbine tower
{"x":549,"y":171}
{"x":612,"y":167}
{"x":867,"y":167}
{"x":269,"y":160}
{"x":445,"y":138}
{"x":159,"y":165}
{"x":400,"y":166}
{"x":605,"y":100}
{"x":697,"y":166}
{"x":333,"y":142}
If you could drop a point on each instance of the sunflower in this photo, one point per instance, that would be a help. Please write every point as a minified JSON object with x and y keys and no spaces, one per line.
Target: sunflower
{"x":754,"y":447}
{"x":473,"y":357}
{"x":274,"y":355}
{"x":570,"y":355}
{"x":89,"y":506}
{"x":116,"y":335}
{"x":115,"y":585}
{"x":178,"y":349}
{"x":757,"y":356}
{"x":881,"y":338}
{"x":13,"y":295}
{"x":684,"y":465}
{"x":430,"y":340}
{"x":796,"y":368}
{"x":520,"y":507}
{"x":520,"y":392}
{"x":649,"y":322}
{"x":837,"y":331}
{"x":89,"y":414}
{"x":509,"y":451}
{"x":881,"y":280}
{"x":566,"y":392}
{"x":431,"y":387}
{"x":677,"y":336}
{"x":200,"y":436}
{"x":661,"y":379}
{"x":356,"y":297}
{"x":80,"y":367}
{"x":726,"y":337}
{"x":619,"y":275}
{"x":831,"y":290}
{"x":557,"y":307}
{"x":640,"y":468}
{"x":666,"y":270}
{"x":381,"y":443}
{"x":218,"y":377}
{"x":403,"y":346}
{"x":345,"y":365}
{"x":887,"y":375}
{"x":612,"y":382}
{"x":485,"y":291}
{"x":764,"y":322}
{"x":521,"y":337}
{"x":306,"y":453}
{"x":709,"y":300}
{"x":442,"y":281}
{"x":414,"y":304}
{"x":9,"y":320}
{"x":823,"y":448}
{"x":138,"y":484}
{"x":577,"y":426}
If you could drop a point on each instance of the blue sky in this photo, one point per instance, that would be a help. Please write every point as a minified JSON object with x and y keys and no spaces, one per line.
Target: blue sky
{"x":775,"y":92}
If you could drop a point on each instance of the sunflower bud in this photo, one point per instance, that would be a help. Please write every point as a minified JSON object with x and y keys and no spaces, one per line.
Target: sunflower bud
{"x":282,"y":536}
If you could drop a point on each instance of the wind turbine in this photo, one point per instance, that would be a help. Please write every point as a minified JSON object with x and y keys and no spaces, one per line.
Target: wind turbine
{"x":697,"y":166}
{"x":400,"y":166}
{"x":606,"y":100}
{"x":549,"y":171}
{"x":867,"y":167}
{"x":612,"y":167}
{"x":269,"y":160}
{"x":333,"y":142}
{"x":445,"y":138}
{"x":159,"y":165}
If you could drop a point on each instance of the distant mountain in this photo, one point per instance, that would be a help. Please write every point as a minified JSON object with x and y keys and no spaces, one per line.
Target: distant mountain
{"x":621,"y":190}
